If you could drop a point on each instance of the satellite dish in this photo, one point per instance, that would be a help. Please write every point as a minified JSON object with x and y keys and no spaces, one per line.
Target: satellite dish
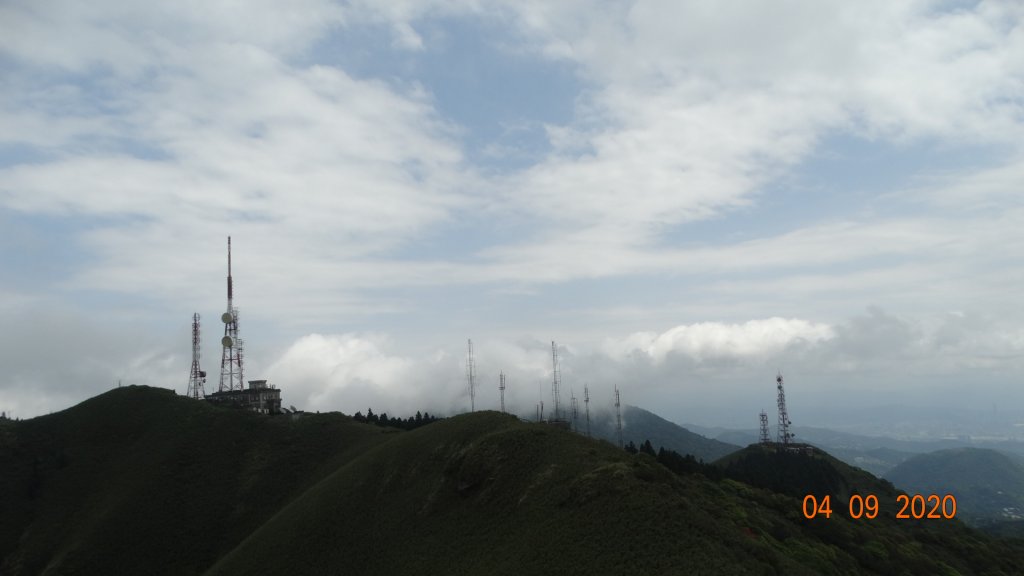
{"x":226,"y":317}
{"x":227,"y":342}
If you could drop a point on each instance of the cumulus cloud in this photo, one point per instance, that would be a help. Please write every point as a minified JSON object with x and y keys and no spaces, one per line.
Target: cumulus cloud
{"x":342,"y":372}
{"x":141,"y":135}
{"x":756,"y":338}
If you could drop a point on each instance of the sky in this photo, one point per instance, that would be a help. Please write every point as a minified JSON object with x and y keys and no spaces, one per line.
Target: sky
{"x":687,"y":197}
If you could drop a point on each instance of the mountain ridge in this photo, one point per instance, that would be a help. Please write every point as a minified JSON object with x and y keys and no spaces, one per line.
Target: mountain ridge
{"x":143,"y":481}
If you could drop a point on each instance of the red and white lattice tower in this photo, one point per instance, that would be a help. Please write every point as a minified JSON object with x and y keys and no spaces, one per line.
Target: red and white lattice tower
{"x":196,"y":376}
{"x":231,"y":377}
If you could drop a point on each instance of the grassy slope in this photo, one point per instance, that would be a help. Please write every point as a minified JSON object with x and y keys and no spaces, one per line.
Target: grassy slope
{"x":640,"y":425}
{"x":145,"y":482}
{"x":486,"y":494}
{"x":983,"y":481}
{"x":138,"y":481}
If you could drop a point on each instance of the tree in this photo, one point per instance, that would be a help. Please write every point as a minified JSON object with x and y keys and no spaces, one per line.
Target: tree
{"x":646,"y":448}
{"x":631,"y":448}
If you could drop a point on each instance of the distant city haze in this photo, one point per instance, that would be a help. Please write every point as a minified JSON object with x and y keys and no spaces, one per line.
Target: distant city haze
{"x":687,"y":198}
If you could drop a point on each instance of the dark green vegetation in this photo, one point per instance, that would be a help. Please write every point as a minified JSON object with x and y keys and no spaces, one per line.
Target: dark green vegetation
{"x":988,"y":485}
{"x":639,"y":425}
{"x":139,"y":481}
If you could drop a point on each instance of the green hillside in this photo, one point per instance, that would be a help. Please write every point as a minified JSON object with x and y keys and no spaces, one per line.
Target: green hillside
{"x":139,"y":481}
{"x":640,"y":425}
{"x":988,"y":485}
{"x":149,"y":482}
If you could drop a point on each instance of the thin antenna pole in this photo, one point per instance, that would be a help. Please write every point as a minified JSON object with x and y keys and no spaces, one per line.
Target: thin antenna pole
{"x":574,"y":405}
{"x":586,"y":403}
{"x":618,"y":417}
{"x":501,"y":388}
{"x":470,"y":375}
{"x":556,"y":377}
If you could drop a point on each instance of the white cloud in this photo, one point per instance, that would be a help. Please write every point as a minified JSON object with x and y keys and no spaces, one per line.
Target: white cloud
{"x":157,"y":129}
{"x":707,"y":340}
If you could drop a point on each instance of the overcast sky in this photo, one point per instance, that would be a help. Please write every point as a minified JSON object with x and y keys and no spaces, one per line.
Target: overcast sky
{"x":687,"y":197}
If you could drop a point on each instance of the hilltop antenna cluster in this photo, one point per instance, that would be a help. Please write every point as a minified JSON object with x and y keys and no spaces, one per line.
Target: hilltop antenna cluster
{"x":618,"y":416}
{"x":501,"y":389}
{"x":586,"y":403}
{"x":784,"y":435}
{"x":765,"y":439}
{"x":556,"y":377}
{"x":197,"y":377}
{"x":231,"y":356}
{"x":471,"y":376}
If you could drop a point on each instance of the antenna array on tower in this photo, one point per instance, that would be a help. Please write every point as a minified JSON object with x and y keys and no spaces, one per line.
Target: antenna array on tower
{"x":231,"y":354}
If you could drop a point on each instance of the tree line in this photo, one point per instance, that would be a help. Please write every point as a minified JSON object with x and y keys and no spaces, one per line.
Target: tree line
{"x":675,"y":461}
{"x":410,"y":423}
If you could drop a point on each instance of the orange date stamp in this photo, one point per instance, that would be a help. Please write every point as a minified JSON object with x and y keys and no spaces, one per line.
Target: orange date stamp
{"x":916,"y":506}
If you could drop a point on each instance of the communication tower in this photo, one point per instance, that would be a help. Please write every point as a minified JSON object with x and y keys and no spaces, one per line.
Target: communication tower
{"x":471,"y":376}
{"x":231,"y":355}
{"x":556,"y":378}
{"x":784,"y":435}
{"x":586,"y":404}
{"x":765,"y":438}
{"x":618,"y":417}
{"x":574,"y":405}
{"x":196,"y":377}
{"x":501,"y":388}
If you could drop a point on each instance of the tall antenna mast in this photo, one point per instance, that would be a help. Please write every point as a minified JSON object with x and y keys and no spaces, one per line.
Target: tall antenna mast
{"x":765,"y":438}
{"x":471,"y":375}
{"x":574,"y":405}
{"x":231,"y":354}
{"x":556,"y":378}
{"x":540,"y":401}
{"x":501,"y":388}
{"x":196,"y":377}
{"x":586,"y":403}
{"x":618,"y":416}
{"x":784,"y":435}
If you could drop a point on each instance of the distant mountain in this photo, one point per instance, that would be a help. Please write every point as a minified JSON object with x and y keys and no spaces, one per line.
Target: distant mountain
{"x":639,"y":425}
{"x":803,"y":471}
{"x":988,"y":485}
{"x":141,"y":481}
{"x":876,"y":454}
